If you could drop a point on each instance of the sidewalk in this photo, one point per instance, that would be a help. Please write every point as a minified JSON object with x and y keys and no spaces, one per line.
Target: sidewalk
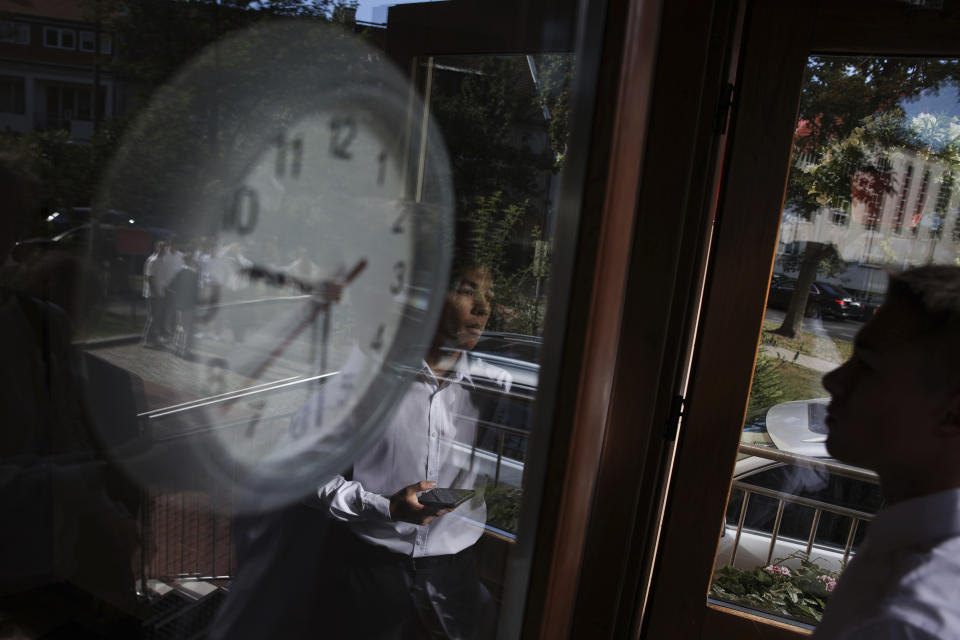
{"x":817,"y":364}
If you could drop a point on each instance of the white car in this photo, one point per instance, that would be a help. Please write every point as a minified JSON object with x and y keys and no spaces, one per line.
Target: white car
{"x":793,"y":486}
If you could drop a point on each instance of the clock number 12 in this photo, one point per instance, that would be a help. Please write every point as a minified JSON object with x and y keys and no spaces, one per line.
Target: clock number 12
{"x":342,"y":132}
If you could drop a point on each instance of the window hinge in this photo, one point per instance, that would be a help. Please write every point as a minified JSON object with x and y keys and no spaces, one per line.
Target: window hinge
{"x":723,"y":108}
{"x":673,"y":418}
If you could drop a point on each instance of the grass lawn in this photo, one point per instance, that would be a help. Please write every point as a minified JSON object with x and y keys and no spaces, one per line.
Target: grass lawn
{"x":780,"y":381}
{"x":811,"y":344}
{"x":799,"y":383}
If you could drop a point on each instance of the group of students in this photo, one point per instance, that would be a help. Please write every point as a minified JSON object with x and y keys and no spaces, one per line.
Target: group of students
{"x":176,"y":282}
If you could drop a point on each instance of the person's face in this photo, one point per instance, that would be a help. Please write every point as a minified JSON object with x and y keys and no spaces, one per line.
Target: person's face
{"x":467,"y":308}
{"x":888,"y":398}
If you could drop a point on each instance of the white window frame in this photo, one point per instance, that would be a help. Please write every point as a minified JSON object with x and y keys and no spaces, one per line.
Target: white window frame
{"x":106,"y":43}
{"x":14,"y":32}
{"x":60,"y":33}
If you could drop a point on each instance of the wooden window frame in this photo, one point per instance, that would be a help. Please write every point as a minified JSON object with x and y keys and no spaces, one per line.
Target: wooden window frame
{"x":779,"y":37}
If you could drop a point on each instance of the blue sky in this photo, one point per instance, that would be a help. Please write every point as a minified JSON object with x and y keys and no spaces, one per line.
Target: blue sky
{"x":929,"y":102}
{"x":376,"y":10}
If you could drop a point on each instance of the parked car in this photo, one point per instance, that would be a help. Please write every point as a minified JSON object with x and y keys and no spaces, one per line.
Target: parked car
{"x":841,"y":493}
{"x":119,"y":251}
{"x":823,"y":300}
{"x":66,"y":218}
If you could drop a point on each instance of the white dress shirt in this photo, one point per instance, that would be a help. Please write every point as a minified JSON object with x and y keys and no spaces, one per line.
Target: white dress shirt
{"x":170,"y":264}
{"x":150,"y":268}
{"x":905,"y":581}
{"x":430,"y":437}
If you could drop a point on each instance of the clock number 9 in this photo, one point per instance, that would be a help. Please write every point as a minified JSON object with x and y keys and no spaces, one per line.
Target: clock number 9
{"x":243,"y":211}
{"x":342,"y":132}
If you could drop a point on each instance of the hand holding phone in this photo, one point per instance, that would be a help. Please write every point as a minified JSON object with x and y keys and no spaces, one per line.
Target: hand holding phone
{"x":445,"y":498}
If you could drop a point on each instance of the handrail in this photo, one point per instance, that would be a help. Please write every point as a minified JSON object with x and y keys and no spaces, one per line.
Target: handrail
{"x":804,"y":502}
{"x":829,"y":465}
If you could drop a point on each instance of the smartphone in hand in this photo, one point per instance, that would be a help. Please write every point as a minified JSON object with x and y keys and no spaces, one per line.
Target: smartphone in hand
{"x":445,"y":498}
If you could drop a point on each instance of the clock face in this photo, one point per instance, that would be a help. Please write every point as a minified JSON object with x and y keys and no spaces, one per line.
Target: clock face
{"x":320,"y":271}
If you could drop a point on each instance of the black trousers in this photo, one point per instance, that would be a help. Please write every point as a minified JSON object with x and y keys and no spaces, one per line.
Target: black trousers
{"x":389,"y":596}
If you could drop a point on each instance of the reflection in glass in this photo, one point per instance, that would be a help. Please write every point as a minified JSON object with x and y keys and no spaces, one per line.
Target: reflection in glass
{"x":872,"y":189}
{"x":193,"y":285}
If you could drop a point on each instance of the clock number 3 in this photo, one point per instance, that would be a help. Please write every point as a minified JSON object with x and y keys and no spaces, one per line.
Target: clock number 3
{"x":243,"y":211}
{"x":342,"y":132}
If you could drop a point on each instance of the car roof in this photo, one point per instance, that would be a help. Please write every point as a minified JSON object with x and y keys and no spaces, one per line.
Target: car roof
{"x":797,"y":427}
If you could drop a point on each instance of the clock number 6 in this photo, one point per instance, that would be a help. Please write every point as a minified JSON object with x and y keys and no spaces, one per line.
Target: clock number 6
{"x":243,"y":212}
{"x":342,"y":132}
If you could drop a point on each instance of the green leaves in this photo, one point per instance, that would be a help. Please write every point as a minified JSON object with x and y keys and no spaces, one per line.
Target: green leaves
{"x":801,"y":595}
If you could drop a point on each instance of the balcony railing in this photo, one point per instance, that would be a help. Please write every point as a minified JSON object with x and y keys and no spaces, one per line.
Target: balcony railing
{"x":783,"y":498}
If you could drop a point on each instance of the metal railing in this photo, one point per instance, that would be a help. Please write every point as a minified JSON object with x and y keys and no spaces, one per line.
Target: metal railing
{"x":188,"y":534}
{"x":836,"y":468}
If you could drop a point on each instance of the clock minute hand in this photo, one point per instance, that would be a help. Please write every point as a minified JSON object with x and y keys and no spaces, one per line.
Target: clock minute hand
{"x":297,"y":330}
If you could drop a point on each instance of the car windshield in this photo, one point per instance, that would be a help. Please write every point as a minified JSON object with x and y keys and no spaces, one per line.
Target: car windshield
{"x":834,"y":290}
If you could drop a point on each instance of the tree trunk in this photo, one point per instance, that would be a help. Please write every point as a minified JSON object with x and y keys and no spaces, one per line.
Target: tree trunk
{"x":793,"y":319}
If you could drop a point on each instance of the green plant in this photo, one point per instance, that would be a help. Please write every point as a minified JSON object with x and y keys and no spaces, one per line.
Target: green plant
{"x":494,"y":226}
{"x":503,"y":507}
{"x":766,"y":389}
{"x":800,"y":593}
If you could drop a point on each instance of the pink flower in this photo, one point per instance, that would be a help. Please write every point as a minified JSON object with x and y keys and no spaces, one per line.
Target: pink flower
{"x":829,"y":582}
{"x":777,"y":571}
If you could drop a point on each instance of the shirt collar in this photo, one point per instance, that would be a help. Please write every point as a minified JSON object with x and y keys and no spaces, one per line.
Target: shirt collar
{"x":916,"y":521}
{"x":460,"y":373}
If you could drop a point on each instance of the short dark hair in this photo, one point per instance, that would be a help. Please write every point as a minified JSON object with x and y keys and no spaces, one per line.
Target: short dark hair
{"x":933,"y":294}
{"x":933,"y":291}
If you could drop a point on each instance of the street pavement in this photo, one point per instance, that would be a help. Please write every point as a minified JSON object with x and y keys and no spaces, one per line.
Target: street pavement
{"x":836,"y":329}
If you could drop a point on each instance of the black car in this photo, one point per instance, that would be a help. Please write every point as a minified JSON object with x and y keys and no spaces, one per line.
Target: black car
{"x":824,"y":299}
{"x":65,"y":218}
{"x":119,"y":251}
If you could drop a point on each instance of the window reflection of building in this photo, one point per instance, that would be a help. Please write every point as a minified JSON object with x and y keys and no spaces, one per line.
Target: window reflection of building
{"x":47,"y":68}
{"x":878,"y":239}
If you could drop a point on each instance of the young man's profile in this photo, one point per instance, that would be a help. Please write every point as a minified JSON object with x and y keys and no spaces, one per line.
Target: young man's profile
{"x":895,"y":408}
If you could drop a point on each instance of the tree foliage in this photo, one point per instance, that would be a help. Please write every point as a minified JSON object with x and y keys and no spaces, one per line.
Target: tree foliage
{"x":851,"y":124}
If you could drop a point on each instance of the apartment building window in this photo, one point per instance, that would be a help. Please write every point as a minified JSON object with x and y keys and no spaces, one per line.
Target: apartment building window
{"x":904,"y":195}
{"x":68,"y":103}
{"x":945,"y":193}
{"x":87,"y":39}
{"x":11,"y":95}
{"x":921,"y":201}
{"x":840,"y":214}
{"x":59,"y":38}
{"x":14,"y":32}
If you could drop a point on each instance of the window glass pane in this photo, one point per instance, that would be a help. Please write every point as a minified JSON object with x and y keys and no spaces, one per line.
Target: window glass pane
{"x":14,"y":32}
{"x":298,"y":268}
{"x":86,"y":41}
{"x":871,"y":190}
{"x":11,"y":95}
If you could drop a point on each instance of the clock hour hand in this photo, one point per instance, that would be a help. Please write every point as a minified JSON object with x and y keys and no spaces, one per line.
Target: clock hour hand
{"x":331,"y":289}
{"x":303,"y":324}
